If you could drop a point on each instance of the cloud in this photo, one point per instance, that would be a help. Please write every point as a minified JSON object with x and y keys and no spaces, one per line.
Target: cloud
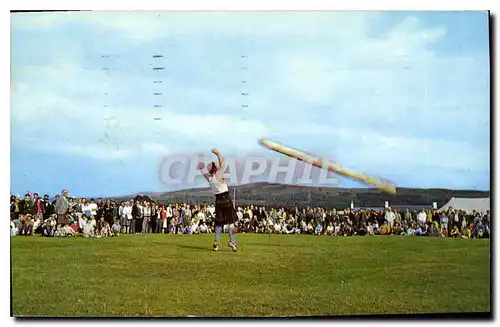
{"x":93,"y":151}
{"x":149,"y":26}
{"x":68,"y":99}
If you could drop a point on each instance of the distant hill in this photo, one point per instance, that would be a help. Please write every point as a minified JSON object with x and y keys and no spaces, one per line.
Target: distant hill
{"x":295,"y":195}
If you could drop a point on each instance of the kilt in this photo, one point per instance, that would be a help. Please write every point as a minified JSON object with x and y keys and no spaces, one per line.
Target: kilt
{"x":63,"y":219}
{"x":224,"y":210}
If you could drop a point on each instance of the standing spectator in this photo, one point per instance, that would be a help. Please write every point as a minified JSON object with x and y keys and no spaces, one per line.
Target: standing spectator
{"x":93,"y":209}
{"x":78,"y":212}
{"x":48,"y":207}
{"x":138,"y":217}
{"x":397,"y":217}
{"x":146,"y":213}
{"x":422,"y":217}
{"x":188,"y":216}
{"x":175,"y":219}
{"x":182,"y":215}
{"x":14,"y":208}
{"x":408,"y":217}
{"x":169,"y":215}
{"x":100,"y":209}
{"x":239,"y":213}
{"x":155,"y":218}
{"x":390,"y":217}
{"x":163,"y":217}
{"x":122,"y":216}
{"x":128,"y":218}
{"x":108,"y":211}
{"x":435,"y":216}
{"x":37,"y":207}
{"x":62,"y":209}
{"x":116,"y":213}
{"x":86,"y":208}
{"x":26,"y":207}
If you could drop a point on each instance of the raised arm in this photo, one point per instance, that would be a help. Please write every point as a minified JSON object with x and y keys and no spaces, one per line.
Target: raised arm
{"x":219,"y":157}
{"x":201,"y":168}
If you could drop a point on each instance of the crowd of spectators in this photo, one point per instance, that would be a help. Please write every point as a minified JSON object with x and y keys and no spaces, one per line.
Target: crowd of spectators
{"x":65,"y":217}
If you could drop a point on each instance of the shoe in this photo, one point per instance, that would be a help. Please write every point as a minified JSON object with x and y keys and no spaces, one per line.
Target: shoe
{"x":232,"y":246}
{"x":216,"y":246}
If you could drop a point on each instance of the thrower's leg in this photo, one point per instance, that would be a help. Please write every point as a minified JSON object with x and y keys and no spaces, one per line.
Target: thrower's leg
{"x":218,"y":231}
{"x":232,"y":238}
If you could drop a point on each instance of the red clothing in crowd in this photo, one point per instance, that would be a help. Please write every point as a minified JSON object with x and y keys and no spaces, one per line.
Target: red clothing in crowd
{"x":74,"y":226}
{"x":39,"y":206}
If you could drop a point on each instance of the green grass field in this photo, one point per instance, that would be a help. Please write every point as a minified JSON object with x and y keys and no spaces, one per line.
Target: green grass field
{"x":271,"y":275}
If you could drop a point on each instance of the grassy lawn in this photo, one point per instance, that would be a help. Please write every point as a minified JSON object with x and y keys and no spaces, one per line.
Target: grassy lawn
{"x":271,"y":275}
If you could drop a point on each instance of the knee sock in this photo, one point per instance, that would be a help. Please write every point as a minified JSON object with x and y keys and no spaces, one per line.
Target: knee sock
{"x":231,"y":234}
{"x":218,"y":231}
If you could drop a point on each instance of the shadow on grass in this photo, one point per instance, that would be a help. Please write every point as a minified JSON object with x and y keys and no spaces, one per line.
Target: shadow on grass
{"x":188,"y":246}
{"x":289,"y":245}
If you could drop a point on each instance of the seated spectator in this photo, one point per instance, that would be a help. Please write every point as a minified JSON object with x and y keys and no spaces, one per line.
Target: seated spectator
{"x":346,"y":229}
{"x":81,"y":222}
{"x":362,"y":230}
{"x":203,"y":228}
{"x":466,"y":232}
{"x":385,"y":229}
{"x":336,"y":231}
{"x":269,"y":227}
{"x":277,"y":228}
{"x":287,"y":229}
{"x":261,"y":227}
{"x":13,"y":229}
{"x":310,"y":228}
{"x":105,"y":228}
{"x":411,"y":230}
{"x":397,"y":230}
{"x":64,"y":231}
{"x":486,"y":229}
{"x":37,"y":224}
{"x":88,"y":228}
{"x":75,"y":227}
{"x":369,"y":229}
{"x":318,"y":229}
{"x":48,"y":227}
{"x":303,"y":226}
{"x":455,"y":232}
{"x":68,"y":231}
{"x":99,"y":227}
{"x":470,"y":228}
{"x":329,"y":229}
{"x":27,"y":225}
{"x":115,"y":229}
{"x":480,"y":230}
{"x":421,"y":230}
{"x":434,"y":229}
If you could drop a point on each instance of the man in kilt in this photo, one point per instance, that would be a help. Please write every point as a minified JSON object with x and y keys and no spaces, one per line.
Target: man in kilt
{"x":62,"y":209}
{"x":224,"y":209}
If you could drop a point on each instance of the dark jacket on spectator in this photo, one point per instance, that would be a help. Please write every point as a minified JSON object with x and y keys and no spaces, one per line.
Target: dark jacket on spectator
{"x":26,"y":207}
{"x":48,"y":209}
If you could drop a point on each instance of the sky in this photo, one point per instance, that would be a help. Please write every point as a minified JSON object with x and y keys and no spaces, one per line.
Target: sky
{"x":401,"y":95}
